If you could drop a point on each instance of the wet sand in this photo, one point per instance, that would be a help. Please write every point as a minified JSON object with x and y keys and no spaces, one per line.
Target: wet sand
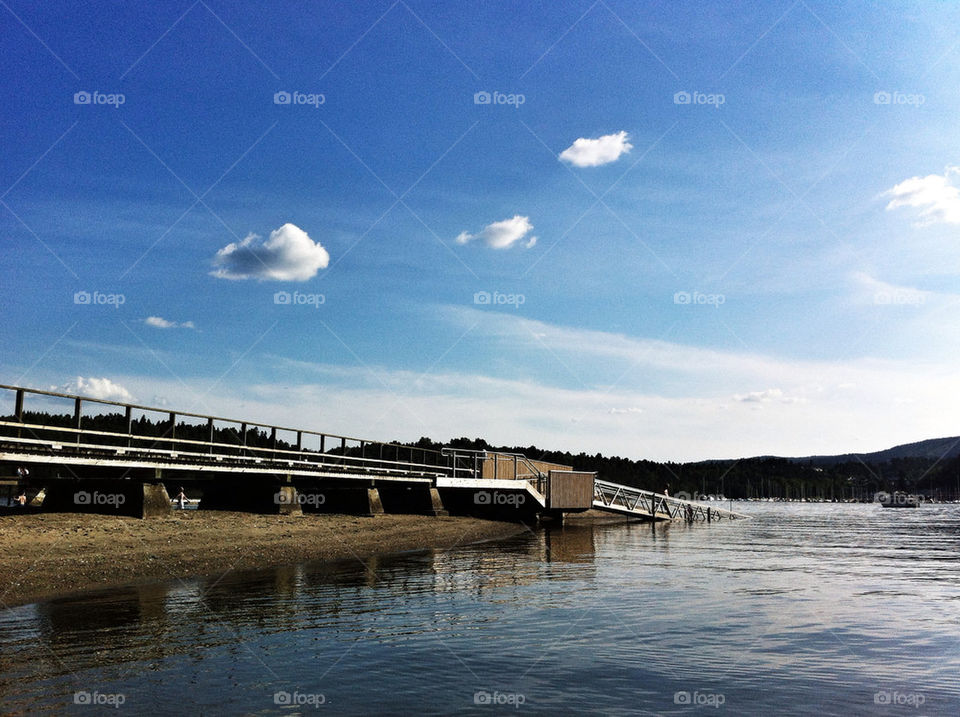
{"x":48,"y":554}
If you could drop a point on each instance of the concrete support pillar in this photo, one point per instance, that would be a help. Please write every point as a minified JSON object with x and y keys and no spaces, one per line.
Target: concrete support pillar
{"x":374,"y":503}
{"x":436,"y":504}
{"x":156,"y":501}
{"x":288,"y":501}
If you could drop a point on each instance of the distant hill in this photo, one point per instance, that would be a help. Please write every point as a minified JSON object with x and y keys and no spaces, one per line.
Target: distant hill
{"x":931,"y":466}
{"x":933,"y":448}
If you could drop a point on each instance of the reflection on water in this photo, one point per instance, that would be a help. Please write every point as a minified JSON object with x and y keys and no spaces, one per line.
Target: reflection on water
{"x":807,"y":608}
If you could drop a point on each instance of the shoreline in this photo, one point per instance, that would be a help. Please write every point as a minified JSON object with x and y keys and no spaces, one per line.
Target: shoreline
{"x":48,"y":555}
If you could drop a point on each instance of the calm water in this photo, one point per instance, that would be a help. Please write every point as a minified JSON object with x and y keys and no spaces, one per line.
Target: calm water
{"x":807,"y":609}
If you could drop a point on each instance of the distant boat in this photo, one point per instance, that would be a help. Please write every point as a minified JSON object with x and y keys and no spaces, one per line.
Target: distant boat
{"x":898,"y":500}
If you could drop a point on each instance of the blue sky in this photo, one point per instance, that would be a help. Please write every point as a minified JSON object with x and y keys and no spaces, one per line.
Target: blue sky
{"x":770,"y":267}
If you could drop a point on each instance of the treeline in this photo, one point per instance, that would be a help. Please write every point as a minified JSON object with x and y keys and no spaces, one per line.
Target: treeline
{"x":156,"y":433}
{"x":752,"y":477}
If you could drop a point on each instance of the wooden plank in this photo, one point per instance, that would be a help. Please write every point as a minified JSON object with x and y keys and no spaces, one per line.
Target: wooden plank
{"x":569,"y":490}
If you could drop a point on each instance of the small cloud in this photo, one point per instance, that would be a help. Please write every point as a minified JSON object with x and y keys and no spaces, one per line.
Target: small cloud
{"x":502,"y":234}
{"x":160,"y":323}
{"x":102,"y":388}
{"x":288,"y":255}
{"x":631,"y":409}
{"x":768,"y":396}
{"x":596,"y":152}
{"x":934,"y":195}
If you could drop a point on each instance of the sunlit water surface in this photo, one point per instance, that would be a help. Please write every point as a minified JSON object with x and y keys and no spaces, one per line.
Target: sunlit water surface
{"x":805,"y":609}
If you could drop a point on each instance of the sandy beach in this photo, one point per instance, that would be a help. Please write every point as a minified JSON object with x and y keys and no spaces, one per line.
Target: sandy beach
{"x":54,"y":553}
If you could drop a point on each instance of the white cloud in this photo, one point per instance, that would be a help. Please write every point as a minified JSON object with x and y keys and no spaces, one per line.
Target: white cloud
{"x":767,"y":396}
{"x":288,"y":255}
{"x":502,"y":234}
{"x":595,"y":152}
{"x":934,"y":195}
{"x":555,"y":387}
{"x":161,"y":323}
{"x":102,"y":388}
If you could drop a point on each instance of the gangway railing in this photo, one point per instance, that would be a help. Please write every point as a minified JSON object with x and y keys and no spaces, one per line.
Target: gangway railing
{"x":627,"y":500}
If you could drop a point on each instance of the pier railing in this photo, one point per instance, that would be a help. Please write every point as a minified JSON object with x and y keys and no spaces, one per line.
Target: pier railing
{"x":72,"y":425}
{"x":496,"y":465}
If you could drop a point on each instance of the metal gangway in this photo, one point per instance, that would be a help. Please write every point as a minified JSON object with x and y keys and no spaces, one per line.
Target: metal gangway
{"x":646,"y":505}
